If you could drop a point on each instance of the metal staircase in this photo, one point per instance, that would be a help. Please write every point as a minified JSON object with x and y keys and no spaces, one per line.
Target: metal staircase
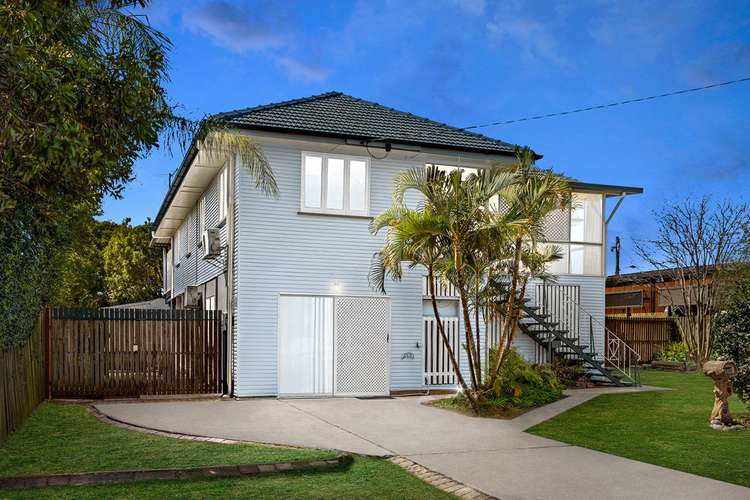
{"x":619,"y":368}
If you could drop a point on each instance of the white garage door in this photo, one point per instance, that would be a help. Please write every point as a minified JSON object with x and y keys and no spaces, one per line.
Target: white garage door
{"x":334,"y":346}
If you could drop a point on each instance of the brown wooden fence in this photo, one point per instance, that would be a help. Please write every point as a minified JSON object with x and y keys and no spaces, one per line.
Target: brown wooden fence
{"x":646,"y":335}
{"x":134,"y":352}
{"x":22,"y":380}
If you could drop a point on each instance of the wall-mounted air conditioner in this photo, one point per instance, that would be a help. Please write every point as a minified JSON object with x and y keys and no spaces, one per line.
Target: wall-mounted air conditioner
{"x":210,"y":243}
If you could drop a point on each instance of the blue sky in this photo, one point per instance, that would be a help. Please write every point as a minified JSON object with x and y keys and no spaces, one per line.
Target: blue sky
{"x":465,"y":62}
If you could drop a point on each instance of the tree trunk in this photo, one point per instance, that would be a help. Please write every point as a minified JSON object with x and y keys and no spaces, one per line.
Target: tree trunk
{"x":441,"y":330}
{"x":510,"y":318}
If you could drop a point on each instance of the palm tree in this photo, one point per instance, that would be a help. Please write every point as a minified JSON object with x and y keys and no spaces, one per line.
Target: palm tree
{"x":417,"y":237}
{"x":533,"y":195}
{"x":487,"y":254}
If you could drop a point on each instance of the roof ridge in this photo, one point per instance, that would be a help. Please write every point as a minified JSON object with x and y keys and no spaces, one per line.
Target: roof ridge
{"x":428,"y":120}
{"x":279,"y":104}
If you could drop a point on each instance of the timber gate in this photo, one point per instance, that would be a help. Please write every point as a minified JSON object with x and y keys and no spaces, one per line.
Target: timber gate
{"x":95,"y":353}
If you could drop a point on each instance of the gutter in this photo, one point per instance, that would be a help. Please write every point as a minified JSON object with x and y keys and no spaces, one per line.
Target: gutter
{"x":192,"y":152}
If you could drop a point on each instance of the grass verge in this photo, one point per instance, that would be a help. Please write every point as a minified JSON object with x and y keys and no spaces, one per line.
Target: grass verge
{"x":366,"y":478}
{"x":667,"y":428}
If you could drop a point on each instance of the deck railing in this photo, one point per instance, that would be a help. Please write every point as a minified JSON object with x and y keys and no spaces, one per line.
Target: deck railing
{"x":442,"y":290}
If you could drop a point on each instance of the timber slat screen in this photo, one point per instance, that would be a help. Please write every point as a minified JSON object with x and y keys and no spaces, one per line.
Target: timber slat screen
{"x":22,"y":380}
{"x":134,"y":352}
{"x":646,"y":335}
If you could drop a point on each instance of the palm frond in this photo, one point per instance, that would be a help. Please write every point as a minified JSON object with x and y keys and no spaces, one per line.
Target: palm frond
{"x":219,"y":142}
{"x":376,"y":275}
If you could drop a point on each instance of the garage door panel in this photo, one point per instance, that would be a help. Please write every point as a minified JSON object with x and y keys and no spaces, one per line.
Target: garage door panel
{"x":306,"y":345}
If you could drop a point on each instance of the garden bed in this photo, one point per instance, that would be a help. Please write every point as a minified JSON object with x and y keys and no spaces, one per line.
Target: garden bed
{"x":489,"y":410}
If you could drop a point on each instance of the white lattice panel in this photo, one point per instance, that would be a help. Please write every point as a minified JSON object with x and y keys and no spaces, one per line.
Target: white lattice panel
{"x":362,"y":351}
{"x":556,"y":226}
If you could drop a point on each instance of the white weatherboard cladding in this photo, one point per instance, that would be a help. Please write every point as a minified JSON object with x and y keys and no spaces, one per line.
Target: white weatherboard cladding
{"x":193,"y":269}
{"x":279,"y":251}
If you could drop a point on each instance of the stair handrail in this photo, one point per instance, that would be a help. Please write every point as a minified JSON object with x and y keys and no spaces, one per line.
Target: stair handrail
{"x":621,"y":355}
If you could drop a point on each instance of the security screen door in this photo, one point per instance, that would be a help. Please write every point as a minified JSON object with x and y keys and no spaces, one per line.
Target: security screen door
{"x":334,"y":346}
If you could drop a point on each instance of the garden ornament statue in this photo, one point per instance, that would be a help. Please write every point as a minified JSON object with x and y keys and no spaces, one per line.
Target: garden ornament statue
{"x":721,"y":372}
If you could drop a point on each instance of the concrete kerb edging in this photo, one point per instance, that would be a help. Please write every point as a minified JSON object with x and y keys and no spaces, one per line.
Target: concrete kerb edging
{"x":440,"y":481}
{"x":106,"y":477}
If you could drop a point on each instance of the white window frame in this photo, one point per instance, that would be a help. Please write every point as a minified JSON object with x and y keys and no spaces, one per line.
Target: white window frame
{"x":223,"y":193}
{"x":324,"y":185}
{"x":565,"y":245}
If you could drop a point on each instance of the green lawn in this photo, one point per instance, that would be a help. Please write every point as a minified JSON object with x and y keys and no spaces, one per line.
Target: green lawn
{"x":664,"y":428}
{"x":66,"y":438}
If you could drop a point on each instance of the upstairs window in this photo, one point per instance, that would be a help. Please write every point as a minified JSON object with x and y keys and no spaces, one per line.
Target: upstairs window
{"x":578,"y":233}
{"x":335,"y":184}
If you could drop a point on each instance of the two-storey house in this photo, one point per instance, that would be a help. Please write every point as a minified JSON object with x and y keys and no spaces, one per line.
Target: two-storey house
{"x":292,"y":272}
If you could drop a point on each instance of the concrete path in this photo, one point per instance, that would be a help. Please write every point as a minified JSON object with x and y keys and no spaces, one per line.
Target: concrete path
{"x":494,"y":456}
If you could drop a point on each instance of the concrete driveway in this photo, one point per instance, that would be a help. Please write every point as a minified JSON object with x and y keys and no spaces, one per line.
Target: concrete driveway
{"x":494,"y":456}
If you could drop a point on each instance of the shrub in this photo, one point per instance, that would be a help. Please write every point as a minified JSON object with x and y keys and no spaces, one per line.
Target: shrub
{"x":570,"y":373}
{"x":674,"y":351}
{"x":732,"y":337}
{"x":523,"y":385}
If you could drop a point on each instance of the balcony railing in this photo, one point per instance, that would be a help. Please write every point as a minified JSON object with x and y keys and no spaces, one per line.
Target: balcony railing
{"x":442,"y":290}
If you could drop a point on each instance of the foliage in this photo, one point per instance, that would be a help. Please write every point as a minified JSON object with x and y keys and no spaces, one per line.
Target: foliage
{"x":82,"y":96}
{"x":667,"y":428}
{"x":570,"y":373}
{"x":522,"y":384}
{"x":480,"y":233}
{"x":733,"y":337}
{"x":109,"y":264}
{"x":132,"y":269}
{"x":699,"y":243}
{"x":674,"y":351}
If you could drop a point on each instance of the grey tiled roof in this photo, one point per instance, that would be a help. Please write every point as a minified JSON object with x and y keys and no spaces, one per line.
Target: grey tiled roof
{"x":340,"y":115}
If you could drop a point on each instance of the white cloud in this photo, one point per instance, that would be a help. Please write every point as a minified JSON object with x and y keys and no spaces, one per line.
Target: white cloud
{"x":233,"y":28}
{"x":260,"y":29}
{"x":308,"y":73}
{"x":535,"y":40}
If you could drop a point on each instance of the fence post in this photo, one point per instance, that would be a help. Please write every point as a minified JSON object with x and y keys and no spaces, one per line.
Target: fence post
{"x":223,"y":353}
{"x":47,"y":350}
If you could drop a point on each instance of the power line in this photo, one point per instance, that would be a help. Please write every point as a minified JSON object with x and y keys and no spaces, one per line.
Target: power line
{"x":610,"y":105}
